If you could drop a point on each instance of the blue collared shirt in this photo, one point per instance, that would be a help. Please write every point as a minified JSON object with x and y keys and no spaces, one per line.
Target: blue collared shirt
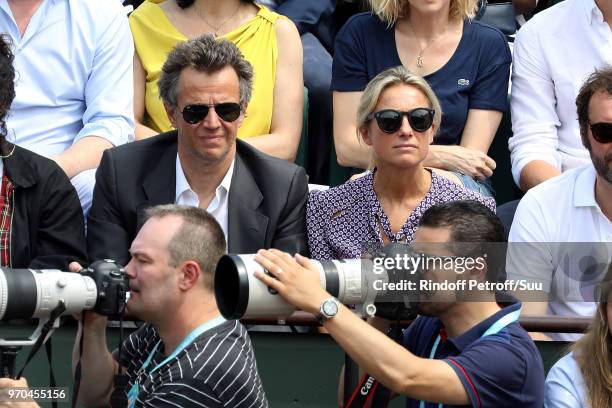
{"x":499,"y":370}
{"x":74,"y":75}
{"x":565,"y":385}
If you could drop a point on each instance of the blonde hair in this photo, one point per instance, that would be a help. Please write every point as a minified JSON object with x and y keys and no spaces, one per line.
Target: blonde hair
{"x":593,"y":351}
{"x":390,"y":11}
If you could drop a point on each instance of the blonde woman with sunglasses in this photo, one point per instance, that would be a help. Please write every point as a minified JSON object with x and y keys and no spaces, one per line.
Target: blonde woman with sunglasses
{"x":397,"y":117}
{"x":466,"y":62}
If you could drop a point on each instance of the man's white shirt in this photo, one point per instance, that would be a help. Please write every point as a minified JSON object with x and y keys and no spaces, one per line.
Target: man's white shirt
{"x":567,"y":242}
{"x":554,"y":53}
{"x":218,"y":208}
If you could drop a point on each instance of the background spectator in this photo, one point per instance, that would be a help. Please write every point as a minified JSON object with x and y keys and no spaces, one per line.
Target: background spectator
{"x":41,"y":221}
{"x":553,"y":55}
{"x":583,"y":378}
{"x":573,"y":208}
{"x":270,"y":43}
{"x":74,"y":90}
{"x":315,"y":22}
{"x":466,"y":63}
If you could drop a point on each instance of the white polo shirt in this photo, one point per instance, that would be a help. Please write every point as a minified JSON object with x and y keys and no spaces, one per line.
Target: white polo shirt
{"x":566,"y":242}
{"x":218,"y":208}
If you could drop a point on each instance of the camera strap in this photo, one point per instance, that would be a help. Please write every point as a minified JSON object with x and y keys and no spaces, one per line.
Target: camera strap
{"x":55,"y":313}
{"x":369,"y":390}
{"x":77,"y":368}
{"x":47,"y":327}
{"x":52,"y":382}
{"x":363,"y":393}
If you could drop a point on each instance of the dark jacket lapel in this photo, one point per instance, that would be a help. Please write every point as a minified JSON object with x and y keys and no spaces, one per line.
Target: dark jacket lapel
{"x":246,"y":224}
{"x":160,"y":184}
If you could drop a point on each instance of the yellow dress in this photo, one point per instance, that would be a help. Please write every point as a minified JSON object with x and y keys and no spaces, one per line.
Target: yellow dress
{"x":155,"y":36}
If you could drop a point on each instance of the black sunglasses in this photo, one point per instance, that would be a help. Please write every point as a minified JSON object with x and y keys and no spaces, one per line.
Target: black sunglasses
{"x":227,"y":111}
{"x":390,"y":120}
{"x":602,"y":132}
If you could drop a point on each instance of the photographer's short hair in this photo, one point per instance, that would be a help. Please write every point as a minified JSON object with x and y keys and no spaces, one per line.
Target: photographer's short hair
{"x":468,"y":220}
{"x":471,"y":223}
{"x":7,"y":81}
{"x":205,"y":54}
{"x":598,"y":81}
{"x":200,"y":238}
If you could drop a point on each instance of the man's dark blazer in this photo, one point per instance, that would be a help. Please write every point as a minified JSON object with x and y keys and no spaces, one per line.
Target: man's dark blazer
{"x":47,"y":229}
{"x":266,"y":202}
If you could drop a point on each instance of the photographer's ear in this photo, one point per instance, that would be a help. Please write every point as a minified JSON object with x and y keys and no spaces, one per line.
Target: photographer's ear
{"x":190,"y":275}
{"x":478,"y":272}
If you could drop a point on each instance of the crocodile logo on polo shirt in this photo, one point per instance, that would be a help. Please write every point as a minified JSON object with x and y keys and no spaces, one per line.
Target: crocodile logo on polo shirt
{"x":464,"y":82}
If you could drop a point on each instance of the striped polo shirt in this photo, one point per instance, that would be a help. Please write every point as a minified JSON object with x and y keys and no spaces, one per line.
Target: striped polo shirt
{"x":217,"y":370}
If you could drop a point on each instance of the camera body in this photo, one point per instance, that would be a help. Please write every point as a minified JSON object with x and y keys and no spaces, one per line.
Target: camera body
{"x":112,"y":285}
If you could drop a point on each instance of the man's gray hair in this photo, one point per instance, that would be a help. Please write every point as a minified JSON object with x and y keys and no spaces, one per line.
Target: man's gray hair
{"x":199,"y":239}
{"x":205,"y":54}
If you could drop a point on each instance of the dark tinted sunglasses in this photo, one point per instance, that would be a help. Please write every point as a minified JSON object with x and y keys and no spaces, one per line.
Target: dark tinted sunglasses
{"x":390,"y":120}
{"x":228,"y":112}
{"x":602,"y":132}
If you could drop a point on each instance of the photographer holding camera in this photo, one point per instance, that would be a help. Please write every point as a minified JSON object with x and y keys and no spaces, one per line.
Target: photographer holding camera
{"x":457,"y":352}
{"x":186,"y":354}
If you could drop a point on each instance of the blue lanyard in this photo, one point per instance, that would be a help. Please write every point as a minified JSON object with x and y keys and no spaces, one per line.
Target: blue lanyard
{"x":135,"y":389}
{"x":493,"y":329}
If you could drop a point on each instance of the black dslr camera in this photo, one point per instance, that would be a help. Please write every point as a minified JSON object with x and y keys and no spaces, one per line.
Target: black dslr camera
{"x":112,"y":285}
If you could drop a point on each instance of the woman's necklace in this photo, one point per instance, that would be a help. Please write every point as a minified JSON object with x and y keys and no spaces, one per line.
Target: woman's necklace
{"x":218,"y":27}
{"x":420,"y":62}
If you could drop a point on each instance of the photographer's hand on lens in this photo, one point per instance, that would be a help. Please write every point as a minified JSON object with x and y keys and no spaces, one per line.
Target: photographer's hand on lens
{"x":7,"y":384}
{"x":91,"y":318}
{"x":74,"y":267}
{"x":295,"y":279}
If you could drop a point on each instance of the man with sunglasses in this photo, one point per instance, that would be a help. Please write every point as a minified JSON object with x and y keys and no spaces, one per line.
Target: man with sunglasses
{"x":575,"y":207}
{"x":259,"y":201}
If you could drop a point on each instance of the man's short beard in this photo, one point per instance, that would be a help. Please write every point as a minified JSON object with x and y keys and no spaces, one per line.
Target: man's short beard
{"x":435,"y":308}
{"x":603,"y":166}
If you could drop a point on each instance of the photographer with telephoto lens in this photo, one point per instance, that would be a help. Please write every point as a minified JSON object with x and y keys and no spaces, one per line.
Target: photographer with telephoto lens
{"x":186,"y":354}
{"x":446,"y":353}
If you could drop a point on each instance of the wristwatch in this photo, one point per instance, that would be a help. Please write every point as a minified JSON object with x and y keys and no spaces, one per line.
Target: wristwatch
{"x":329,"y":308}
